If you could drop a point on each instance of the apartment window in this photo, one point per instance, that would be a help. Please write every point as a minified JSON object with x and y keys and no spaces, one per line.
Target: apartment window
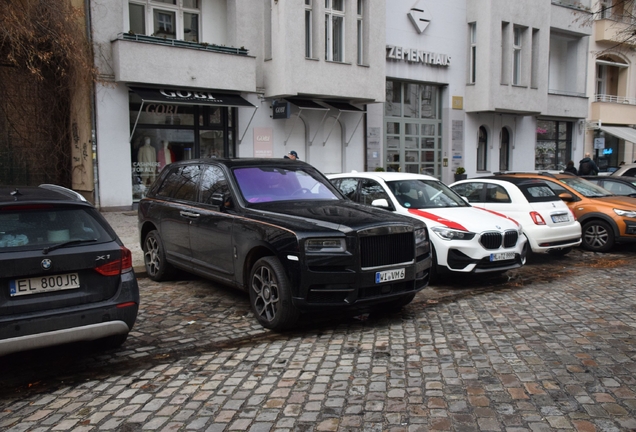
{"x":308,"y":28}
{"x":606,"y":9}
{"x":473,"y":53}
{"x":334,"y":30}
{"x":482,"y":149}
{"x":360,"y":13}
{"x":171,"y":19}
{"x":516,"y":56}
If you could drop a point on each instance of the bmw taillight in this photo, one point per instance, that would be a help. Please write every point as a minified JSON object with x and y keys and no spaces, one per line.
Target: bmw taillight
{"x":536,"y":218}
{"x":114,"y":268}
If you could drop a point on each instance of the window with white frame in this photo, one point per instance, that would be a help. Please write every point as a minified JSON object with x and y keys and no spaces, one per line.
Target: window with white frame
{"x":360,"y":15}
{"x":516,"y":55}
{"x":473,"y":53}
{"x":334,"y":30}
{"x":171,"y":19}
{"x":308,"y":28}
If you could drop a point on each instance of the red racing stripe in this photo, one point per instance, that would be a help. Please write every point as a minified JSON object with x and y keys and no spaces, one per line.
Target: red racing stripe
{"x":499,"y":214}
{"x":431,"y":216}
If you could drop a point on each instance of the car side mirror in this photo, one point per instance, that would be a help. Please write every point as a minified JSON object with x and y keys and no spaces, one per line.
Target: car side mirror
{"x":381,"y":202}
{"x":567,"y":197}
{"x":221,"y":200}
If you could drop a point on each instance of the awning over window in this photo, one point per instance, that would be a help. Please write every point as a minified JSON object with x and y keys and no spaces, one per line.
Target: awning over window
{"x":622,"y":132}
{"x":344,"y":106}
{"x":306,"y":104}
{"x":190,"y":97}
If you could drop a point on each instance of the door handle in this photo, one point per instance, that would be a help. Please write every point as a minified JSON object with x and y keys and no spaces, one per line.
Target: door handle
{"x":189,"y":214}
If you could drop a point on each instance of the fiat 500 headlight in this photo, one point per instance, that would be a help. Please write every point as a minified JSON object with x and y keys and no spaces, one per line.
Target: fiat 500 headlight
{"x":325,"y":245}
{"x":625,"y":213}
{"x":451,"y":234}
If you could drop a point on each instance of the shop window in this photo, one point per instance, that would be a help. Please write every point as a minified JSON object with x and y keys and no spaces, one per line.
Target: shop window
{"x":412,"y":128}
{"x":554,"y":145}
{"x":334,"y":30}
{"x":160,"y":18}
{"x":482,"y":149}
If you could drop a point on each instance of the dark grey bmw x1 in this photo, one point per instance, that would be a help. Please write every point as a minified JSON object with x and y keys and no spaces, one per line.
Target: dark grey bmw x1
{"x":65,"y":276}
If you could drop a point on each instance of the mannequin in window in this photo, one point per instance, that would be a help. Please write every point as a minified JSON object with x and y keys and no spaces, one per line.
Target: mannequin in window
{"x":146,"y":157}
{"x":165,"y":156}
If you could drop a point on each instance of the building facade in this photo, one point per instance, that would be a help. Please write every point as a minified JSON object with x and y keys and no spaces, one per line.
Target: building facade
{"x":611,"y":136}
{"x":494,"y":85}
{"x":182,"y":79}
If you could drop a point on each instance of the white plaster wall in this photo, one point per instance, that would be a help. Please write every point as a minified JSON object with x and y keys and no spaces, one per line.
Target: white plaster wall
{"x":113,"y":146}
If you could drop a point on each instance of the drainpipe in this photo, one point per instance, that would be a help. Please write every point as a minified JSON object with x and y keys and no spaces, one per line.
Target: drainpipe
{"x":89,"y":36}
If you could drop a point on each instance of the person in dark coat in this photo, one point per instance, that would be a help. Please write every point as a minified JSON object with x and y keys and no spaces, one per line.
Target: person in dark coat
{"x":587,"y":166}
{"x":571,"y":168}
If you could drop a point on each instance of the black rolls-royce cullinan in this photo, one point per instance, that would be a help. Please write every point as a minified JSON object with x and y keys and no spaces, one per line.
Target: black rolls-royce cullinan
{"x":279,"y":229}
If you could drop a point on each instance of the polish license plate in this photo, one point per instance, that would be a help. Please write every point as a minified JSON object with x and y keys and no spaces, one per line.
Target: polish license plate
{"x":558,"y":218}
{"x":43,"y":284}
{"x":502,"y":256}
{"x":389,"y":275}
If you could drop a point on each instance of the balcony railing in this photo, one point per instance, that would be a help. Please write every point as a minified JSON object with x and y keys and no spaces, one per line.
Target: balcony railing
{"x":614,"y":99}
{"x":182,"y":44}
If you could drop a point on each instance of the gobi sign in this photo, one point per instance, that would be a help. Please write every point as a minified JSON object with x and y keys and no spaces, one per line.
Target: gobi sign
{"x":263,"y":143}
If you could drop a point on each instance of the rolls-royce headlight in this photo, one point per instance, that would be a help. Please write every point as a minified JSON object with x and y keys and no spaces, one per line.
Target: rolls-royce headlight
{"x":420,"y":236}
{"x":325,"y":245}
{"x":451,"y":234}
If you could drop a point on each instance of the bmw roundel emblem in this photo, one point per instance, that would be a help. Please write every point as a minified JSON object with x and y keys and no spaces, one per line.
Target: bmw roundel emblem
{"x":46,"y":264}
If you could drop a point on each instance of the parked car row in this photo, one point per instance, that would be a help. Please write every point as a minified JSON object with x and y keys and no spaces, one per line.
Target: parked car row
{"x":294,"y":240}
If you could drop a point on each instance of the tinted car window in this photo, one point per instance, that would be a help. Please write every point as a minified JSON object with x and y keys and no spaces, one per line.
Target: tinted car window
{"x":585,"y":188}
{"x":42,"y":226}
{"x":425,"y":194}
{"x":213,"y":182}
{"x":259,"y":184}
{"x":181,"y":183}
{"x":538,"y":193}
{"x":371,"y":190}
{"x":347,"y":186}
{"x":619,"y":188}
{"x":497,"y":194}
{"x":472,"y":191}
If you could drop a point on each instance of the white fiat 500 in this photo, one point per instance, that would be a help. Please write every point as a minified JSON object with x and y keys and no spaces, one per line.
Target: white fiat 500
{"x":547,"y":221}
{"x":465,"y":239}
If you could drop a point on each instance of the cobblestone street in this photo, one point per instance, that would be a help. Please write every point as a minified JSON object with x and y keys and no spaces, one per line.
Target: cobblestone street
{"x":549,"y":347}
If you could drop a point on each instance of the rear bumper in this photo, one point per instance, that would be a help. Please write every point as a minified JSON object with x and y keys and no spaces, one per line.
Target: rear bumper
{"x":58,"y":337}
{"x":73,"y":324}
{"x":550,"y":237}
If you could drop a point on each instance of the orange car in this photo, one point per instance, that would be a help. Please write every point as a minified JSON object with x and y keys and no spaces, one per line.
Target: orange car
{"x":606,"y":219}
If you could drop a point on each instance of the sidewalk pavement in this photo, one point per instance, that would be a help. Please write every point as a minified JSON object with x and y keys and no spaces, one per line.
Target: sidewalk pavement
{"x":125,"y":225}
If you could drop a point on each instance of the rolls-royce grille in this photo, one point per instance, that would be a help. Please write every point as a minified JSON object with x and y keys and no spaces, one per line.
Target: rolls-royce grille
{"x":493,"y":240}
{"x":388,"y":249}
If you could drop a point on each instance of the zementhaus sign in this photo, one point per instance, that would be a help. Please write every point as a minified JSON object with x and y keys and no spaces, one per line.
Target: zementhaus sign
{"x":412,"y":55}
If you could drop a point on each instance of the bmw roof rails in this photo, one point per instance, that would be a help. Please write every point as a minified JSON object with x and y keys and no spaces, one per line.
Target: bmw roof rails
{"x":64,"y":191}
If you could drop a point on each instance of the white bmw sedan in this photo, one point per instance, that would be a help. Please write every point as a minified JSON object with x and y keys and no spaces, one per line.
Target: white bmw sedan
{"x":465,"y":239}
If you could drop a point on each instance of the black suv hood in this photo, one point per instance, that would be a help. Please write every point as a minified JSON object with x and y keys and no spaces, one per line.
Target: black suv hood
{"x":343,"y":216}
